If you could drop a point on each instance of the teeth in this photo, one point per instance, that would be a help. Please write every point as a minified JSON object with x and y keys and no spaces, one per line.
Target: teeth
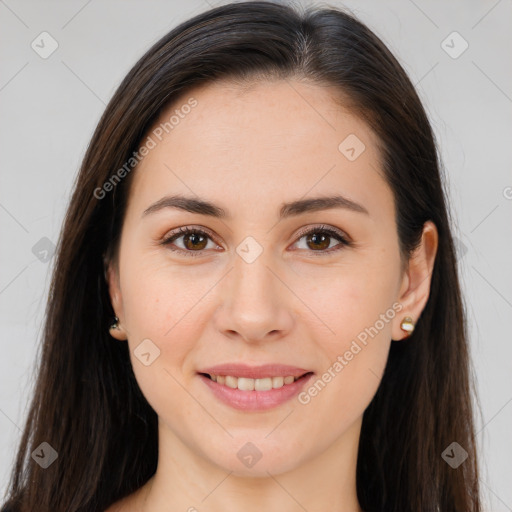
{"x":245,"y":384}
{"x":277,"y":382}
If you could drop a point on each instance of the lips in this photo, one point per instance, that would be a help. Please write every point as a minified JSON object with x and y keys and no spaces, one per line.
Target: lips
{"x":255,"y":394}
{"x":254,"y":372}
{"x":254,"y":388}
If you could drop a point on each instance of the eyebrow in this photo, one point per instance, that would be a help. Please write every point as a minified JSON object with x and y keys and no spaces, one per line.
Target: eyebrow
{"x":294,"y":208}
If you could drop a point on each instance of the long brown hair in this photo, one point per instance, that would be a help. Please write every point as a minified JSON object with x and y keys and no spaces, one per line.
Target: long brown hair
{"x":87,"y":404}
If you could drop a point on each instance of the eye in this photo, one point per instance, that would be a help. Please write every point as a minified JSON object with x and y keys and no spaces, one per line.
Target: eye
{"x":195,"y":240}
{"x":319,"y":239}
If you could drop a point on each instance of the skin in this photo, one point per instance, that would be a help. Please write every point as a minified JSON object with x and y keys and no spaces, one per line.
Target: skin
{"x":249,"y":149}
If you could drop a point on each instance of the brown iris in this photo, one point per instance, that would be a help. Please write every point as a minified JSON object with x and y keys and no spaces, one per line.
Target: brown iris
{"x":191,"y":239}
{"x":321,"y":241}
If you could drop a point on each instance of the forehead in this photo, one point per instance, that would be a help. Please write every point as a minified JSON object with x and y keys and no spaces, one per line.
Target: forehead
{"x":262,"y":143}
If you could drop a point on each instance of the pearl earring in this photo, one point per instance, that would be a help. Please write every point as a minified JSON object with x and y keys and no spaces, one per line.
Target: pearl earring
{"x":115,"y":325}
{"x":407,"y":325}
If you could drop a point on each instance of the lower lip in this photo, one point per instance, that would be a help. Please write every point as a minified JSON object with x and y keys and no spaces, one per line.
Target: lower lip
{"x":256,"y":400}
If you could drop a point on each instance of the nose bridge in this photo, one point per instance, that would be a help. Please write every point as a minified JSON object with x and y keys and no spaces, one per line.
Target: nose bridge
{"x":252,"y":281}
{"x":253,"y":298}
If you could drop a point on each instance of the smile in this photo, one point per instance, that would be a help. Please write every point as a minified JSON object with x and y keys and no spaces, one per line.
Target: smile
{"x":247,"y":384}
{"x":254,"y":394}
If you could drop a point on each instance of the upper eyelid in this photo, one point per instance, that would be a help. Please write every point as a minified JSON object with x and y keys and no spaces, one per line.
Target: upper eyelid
{"x":323,"y":227}
{"x":181,"y":231}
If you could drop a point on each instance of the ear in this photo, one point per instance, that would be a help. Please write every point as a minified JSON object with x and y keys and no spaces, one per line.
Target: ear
{"x":116,"y":299}
{"x":415,"y":287}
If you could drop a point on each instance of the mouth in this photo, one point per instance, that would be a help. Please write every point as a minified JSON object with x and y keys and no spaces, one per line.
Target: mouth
{"x":250,"y":384}
{"x":254,"y":388}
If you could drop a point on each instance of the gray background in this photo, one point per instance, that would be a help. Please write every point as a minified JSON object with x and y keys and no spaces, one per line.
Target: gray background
{"x":49,"y":108}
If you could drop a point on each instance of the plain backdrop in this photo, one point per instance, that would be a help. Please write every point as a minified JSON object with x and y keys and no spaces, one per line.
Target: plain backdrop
{"x":50,"y":106}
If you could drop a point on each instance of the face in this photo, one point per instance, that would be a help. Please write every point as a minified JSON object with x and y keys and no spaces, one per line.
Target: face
{"x":316,"y":287}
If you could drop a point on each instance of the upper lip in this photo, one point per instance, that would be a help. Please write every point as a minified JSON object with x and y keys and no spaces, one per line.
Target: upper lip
{"x":254,"y":372}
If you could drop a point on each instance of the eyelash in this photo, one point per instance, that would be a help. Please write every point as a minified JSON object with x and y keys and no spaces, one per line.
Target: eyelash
{"x":331,"y":232}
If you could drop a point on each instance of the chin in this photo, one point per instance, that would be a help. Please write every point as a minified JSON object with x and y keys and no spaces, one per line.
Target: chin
{"x":257,"y":457}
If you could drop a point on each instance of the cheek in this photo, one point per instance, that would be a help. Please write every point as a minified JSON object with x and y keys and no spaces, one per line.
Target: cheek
{"x":168,"y":305}
{"x":158,"y":296}
{"x":347,"y":300}
{"x":354,"y":362}
{"x":356,"y":306}
{"x":164,"y":307}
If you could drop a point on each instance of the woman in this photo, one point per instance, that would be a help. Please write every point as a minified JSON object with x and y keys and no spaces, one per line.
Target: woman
{"x":255,"y":304}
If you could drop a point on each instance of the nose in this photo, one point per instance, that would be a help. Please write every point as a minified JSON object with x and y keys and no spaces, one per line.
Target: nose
{"x":255,"y":303}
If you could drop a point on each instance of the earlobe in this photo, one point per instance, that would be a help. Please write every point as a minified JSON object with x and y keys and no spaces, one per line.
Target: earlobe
{"x":416,"y":282}
{"x":116,"y":329}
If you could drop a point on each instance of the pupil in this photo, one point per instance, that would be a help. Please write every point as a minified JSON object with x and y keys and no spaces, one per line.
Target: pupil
{"x":191,"y":239}
{"x":323,"y":238}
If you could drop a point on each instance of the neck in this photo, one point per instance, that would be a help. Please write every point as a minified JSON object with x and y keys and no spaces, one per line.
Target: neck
{"x":187,"y":481}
